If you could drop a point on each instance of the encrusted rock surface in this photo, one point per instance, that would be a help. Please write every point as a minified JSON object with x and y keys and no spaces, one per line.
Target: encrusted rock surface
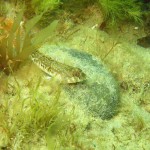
{"x":98,"y":95}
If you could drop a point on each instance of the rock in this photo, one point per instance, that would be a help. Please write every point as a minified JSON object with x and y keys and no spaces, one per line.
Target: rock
{"x":98,"y":95}
{"x":144,"y":42}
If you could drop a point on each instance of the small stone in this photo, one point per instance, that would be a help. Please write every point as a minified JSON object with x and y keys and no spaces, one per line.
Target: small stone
{"x":136,"y":28}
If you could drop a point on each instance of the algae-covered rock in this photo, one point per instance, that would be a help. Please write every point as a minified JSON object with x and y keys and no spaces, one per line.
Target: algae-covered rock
{"x":98,"y":95}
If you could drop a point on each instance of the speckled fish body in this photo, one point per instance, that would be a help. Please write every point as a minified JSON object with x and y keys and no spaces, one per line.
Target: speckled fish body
{"x":62,"y":72}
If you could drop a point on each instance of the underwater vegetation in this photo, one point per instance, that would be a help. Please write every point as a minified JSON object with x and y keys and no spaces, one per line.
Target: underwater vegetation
{"x":17,"y":41}
{"x":36,"y":113}
{"x":43,"y":5}
{"x":115,"y":11}
{"x":22,"y":118}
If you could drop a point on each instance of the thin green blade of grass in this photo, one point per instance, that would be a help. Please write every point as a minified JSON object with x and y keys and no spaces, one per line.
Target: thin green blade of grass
{"x":31,"y":23}
{"x":27,"y":48}
{"x":36,"y":88}
{"x":18,"y":42}
{"x":45,"y":33}
{"x":17,"y":21}
{"x":11,"y":37}
{"x":3,"y":48}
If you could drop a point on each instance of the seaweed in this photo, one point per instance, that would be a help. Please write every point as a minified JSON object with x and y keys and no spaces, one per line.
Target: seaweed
{"x":17,"y":40}
{"x":44,"y":5}
{"x":115,"y":11}
{"x":23,"y":117}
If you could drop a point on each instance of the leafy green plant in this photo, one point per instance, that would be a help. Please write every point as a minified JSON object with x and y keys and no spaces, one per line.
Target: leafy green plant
{"x":2,"y":8}
{"x":26,"y":119}
{"x":17,"y":43}
{"x":118,"y":10}
{"x":44,"y":5}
